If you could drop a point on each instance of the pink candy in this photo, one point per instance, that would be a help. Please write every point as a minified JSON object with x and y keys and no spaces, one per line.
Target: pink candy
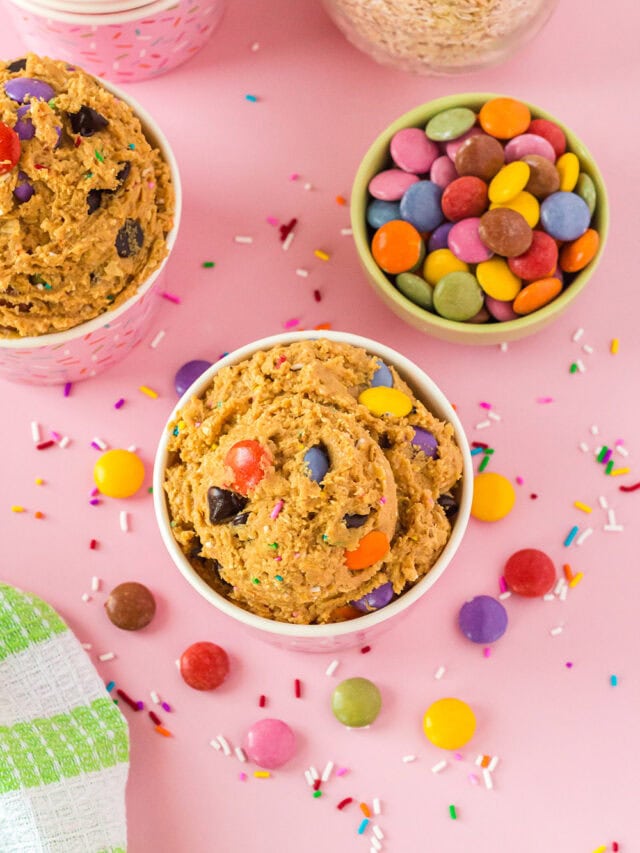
{"x":442,"y":171}
{"x":465,"y":243}
{"x":528,"y":143}
{"x":270,"y":743}
{"x":413,"y":151}
{"x":391,"y":184}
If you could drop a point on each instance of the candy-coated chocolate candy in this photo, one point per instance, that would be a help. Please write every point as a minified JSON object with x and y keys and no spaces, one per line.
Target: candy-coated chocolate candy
{"x":526,"y":205}
{"x":482,"y":316}
{"x":536,"y":295}
{"x":376,"y":599}
{"x":493,"y":496}
{"x":380,"y":212}
{"x":586,"y":189}
{"x":248,"y":460}
{"x":87,"y":121}
{"x":451,"y":148}
{"x":449,"y":723}
{"x":450,"y":124}
{"x":188,"y":373}
{"x":568,"y":167}
{"x":449,"y":504}
{"x":505,"y":231}
{"x":497,"y":281}
{"x":464,"y":197}
{"x":269,"y":743}
{"x":551,"y":132}
{"x":504,"y":118}
{"x":386,"y":401}
{"x":543,"y":179}
{"x":372,"y":548}
{"x":354,"y":520}
{"x":420,"y":205}
{"x":439,"y":237}
{"x":576,"y":255}
{"x":509,"y":181}
{"x":458,"y":296}
{"x":23,"y":189}
{"x":500,"y":310}
{"x":483,"y":619}
{"x":382,"y":376}
{"x":426,"y":441}
{"x":443,"y":171}
{"x":415,"y":289}
{"x":130,"y":606}
{"x":540,"y":259}
{"x":440,"y":263}
{"x":480,"y":156}
{"x":9,"y":148}
{"x":412,"y":151}
{"x":316,"y":463}
{"x":344,"y":614}
{"x":465,"y":243}
{"x":564,"y":215}
{"x":224,"y":504}
{"x":21,"y":89}
{"x":356,"y":702}
{"x":391,"y":184}
{"x":204,"y":666}
{"x":397,"y":247}
{"x":24,"y":126}
{"x":118,"y":473}
{"x":528,"y":143}
{"x":530,"y":572}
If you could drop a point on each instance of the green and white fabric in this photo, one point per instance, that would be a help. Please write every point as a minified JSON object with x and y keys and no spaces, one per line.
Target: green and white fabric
{"x":64,"y":745}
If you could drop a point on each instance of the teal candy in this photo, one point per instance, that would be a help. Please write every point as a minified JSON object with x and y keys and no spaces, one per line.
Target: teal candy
{"x":458,"y":296}
{"x":415,"y":289}
{"x":450,"y":124}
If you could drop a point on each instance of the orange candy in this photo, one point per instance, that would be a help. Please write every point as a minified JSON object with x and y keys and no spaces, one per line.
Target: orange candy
{"x":504,"y":118}
{"x":371,"y":548}
{"x":577,"y":254}
{"x":536,"y":295}
{"x":397,"y":247}
{"x":344,"y":613}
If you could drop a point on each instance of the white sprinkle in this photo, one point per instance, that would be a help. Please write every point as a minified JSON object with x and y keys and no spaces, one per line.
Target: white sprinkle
{"x":177,"y":663}
{"x":95,"y":584}
{"x":35,"y":432}
{"x":239,"y":238}
{"x":494,"y":416}
{"x":332,"y":667}
{"x":478,"y":760}
{"x":224,"y":744}
{"x":308,"y":187}
{"x":302,"y":272}
{"x":288,"y":240}
{"x":504,"y":595}
{"x":587,"y":349}
{"x":603,"y":502}
{"x":564,"y":591}
{"x":439,"y":767}
{"x":583,"y":447}
{"x":488,"y":781}
{"x":315,"y":590}
{"x":296,"y":366}
{"x":483,"y":425}
{"x":376,"y":806}
{"x":439,"y":672}
{"x":240,"y":753}
{"x":309,"y":778}
{"x":314,"y":773}
{"x":132,"y":448}
{"x":594,"y":430}
{"x":504,"y":346}
{"x":549,"y":597}
{"x":86,"y":597}
{"x":101,"y":444}
{"x":255,"y":46}
{"x":613,"y":528}
{"x":408,"y":758}
{"x":493,"y":763}
{"x":375,"y":845}
{"x":622,"y":450}
{"x":377,"y":831}
{"x":346,"y":232}
{"x":87,"y":647}
{"x":64,"y":441}
{"x":559,"y":585}
{"x":214,"y":743}
{"x":326,"y":773}
{"x":154,"y":343}
{"x":577,"y":334}
{"x":124,"y":521}
{"x":580,"y":365}
{"x":154,"y":697}
{"x":584,"y":535}
{"x":612,"y":517}
{"x":555,"y":631}
{"x":106,"y":656}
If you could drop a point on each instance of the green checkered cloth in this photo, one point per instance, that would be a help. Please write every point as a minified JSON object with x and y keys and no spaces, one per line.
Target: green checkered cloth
{"x":64,"y":745}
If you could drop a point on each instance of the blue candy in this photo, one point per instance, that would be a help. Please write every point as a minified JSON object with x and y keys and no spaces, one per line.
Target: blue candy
{"x":317,"y":463}
{"x":380,"y":212}
{"x":420,"y":205}
{"x":565,"y":216}
{"x":382,"y":377}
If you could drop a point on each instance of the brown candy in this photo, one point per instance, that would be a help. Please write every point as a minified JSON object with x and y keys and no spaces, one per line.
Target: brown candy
{"x":130,"y":606}
{"x":481,"y":156}
{"x":505,"y":232}
{"x":544,"y":178}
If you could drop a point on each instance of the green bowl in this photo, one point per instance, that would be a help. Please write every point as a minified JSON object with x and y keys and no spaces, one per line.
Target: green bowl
{"x":377,"y":158}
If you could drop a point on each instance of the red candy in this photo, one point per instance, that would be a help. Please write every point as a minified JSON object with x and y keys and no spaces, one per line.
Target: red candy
{"x":539,"y":261}
{"x":465,"y":197}
{"x":551,"y":132}
{"x":204,"y":666}
{"x":248,"y":460}
{"x":9,"y":148}
{"x":529,"y":572}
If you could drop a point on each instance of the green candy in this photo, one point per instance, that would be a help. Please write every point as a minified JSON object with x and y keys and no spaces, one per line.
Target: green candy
{"x":415,"y":289}
{"x":586,"y":189}
{"x":458,"y":296}
{"x":356,"y":702}
{"x":450,"y":124}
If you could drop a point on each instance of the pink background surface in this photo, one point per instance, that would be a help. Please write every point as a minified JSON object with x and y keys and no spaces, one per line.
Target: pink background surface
{"x":567,"y":740}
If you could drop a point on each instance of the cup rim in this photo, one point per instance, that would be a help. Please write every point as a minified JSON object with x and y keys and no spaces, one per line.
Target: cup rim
{"x":437,"y":401}
{"x":91,"y":19}
{"x":150,"y":129}
{"x":417,"y":117}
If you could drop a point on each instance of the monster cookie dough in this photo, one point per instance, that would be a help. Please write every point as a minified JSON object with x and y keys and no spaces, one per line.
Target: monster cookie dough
{"x":308,"y":476}
{"x":85,"y":211}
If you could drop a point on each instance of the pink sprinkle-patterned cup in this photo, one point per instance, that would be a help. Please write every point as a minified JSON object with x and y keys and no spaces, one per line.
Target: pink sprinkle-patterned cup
{"x":123,"y":46}
{"x":88,"y":349}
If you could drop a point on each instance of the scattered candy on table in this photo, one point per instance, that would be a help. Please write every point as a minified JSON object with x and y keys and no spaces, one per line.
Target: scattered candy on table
{"x":119,"y":473}
{"x":493,"y":496}
{"x":530,"y":572}
{"x":270,"y":743}
{"x":356,"y":702}
{"x":204,"y":666}
{"x":449,"y":723}
{"x":483,"y":619}
{"x":130,"y":606}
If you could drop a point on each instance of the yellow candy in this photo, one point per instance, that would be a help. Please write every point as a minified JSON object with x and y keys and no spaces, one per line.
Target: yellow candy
{"x":568,"y":167}
{"x":386,"y":401}
{"x":493,"y":497}
{"x":509,"y":181}
{"x":440,"y":263}
{"x":118,"y":473}
{"x":497,"y":280}
{"x":449,"y":723}
{"x":526,"y":205}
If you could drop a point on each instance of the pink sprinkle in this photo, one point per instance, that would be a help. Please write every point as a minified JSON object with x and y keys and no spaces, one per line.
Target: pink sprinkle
{"x":272,"y":220}
{"x":243,"y":777}
{"x":291,"y":323}
{"x":619,"y":441}
{"x":275,"y":512}
{"x":458,"y":756}
{"x":55,"y":435}
{"x":383,"y":500}
{"x":119,"y":404}
{"x":294,"y":176}
{"x":140,"y":706}
{"x":568,"y":664}
{"x":544,"y":400}
{"x":485,"y":405}
{"x":67,"y":389}
{"x":486,"y":652}
{"x":278,"y":559}
{"x":341,"y":771}
{"x":171,"y":297}
{"x":503,"y":584}
{"x":166,"y":706}
{"x":519,"y":481}
{"x":95,"y":491}
{"x":280,"y":361}
{"x":473,"y":779}
{"x":95,"y":502}
{"x":96,"y":446}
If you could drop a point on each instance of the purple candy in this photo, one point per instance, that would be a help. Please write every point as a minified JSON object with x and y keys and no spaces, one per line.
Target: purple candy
{"x":382,"y":377}
{"x":426,"y":441}
{"x":23,"y":190}
{"x":438,"y":239}
{"x":21,"y":88}
{"x":376,"y":599}
{"x":188,"y":373}
{"x":24,"y":126}
{"x":316,"y":462}
{"x":483,"y":619}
